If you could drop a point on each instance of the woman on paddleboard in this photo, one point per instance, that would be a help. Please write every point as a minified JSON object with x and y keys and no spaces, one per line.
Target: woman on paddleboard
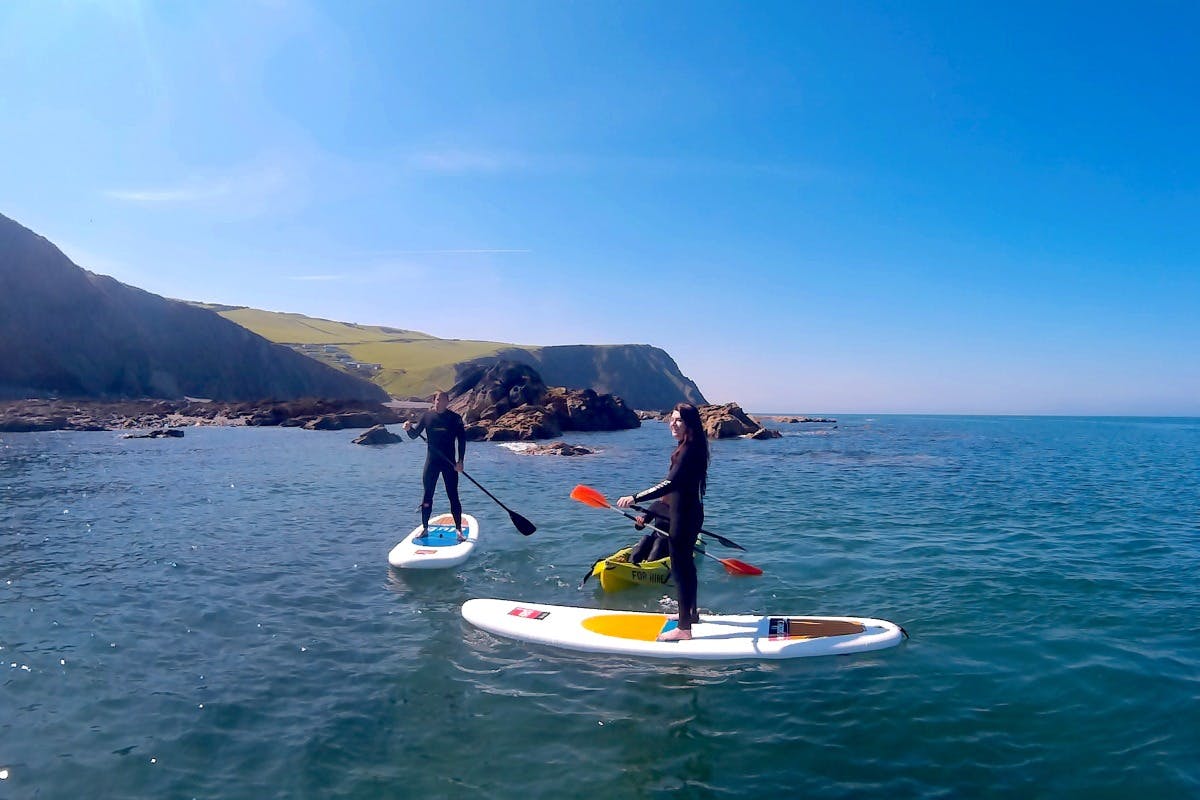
{"x":683,"y":490}
{"x":445,"y":429}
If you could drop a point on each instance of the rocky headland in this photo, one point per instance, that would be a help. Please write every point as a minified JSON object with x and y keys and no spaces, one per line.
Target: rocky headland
{"x":506,"y":402}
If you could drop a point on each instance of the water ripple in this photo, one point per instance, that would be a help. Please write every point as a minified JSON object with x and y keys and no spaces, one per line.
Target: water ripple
{"x":214,"y":616}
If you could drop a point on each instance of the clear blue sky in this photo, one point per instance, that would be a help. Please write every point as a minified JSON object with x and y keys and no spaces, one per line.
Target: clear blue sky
{"x":814,"y":207}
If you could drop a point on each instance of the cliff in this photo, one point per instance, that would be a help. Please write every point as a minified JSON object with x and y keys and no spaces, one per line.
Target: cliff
{"x":640,"y":374}
{"x":409,"y":363}
{"x":66,"y":331}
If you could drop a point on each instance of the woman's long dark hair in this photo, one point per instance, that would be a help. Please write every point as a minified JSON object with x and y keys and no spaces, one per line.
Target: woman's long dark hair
{"x":693,"y":436}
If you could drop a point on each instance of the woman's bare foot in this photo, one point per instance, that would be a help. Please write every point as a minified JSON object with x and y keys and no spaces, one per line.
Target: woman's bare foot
{"x":677,"y":635}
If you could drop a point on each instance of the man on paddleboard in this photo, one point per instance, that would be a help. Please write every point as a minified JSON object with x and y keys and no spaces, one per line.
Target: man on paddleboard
{"x":443,"y":429}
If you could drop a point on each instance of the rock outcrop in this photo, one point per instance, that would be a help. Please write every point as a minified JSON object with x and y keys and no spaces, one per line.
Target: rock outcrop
{"x":558,"y":449}
{"x":508,"y":402}
{"x":377,"y":435}
{"x":157,"y":433}
{"x":728,"y":421}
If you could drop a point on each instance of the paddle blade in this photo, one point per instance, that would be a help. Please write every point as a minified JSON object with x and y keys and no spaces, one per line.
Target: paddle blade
{"x":589,"y":496}
{"x":736,"y":567}
{"x":523,"y":525}
{"x":727,"y":542}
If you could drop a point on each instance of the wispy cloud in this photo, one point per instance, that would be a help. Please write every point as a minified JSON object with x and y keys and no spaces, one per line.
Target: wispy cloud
{"x":456,"y":161}
{"x":165,"y":196}
{"x":478,"y":251}
{"x":246,"y":190}
{"x":468,"y":161}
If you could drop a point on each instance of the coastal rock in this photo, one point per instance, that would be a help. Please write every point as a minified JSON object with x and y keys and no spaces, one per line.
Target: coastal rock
{"x":379,"y":435}
{"x":337,"y":422}
{"x":798,"y":420}
{"x":158,"y":433}
{"x":558,"y":449}
{"x":508,"y":402}
{"x":524,"y":424}
{"x":486,"y":394}
{"x":585,"y":410}
{"x":728,"y":421}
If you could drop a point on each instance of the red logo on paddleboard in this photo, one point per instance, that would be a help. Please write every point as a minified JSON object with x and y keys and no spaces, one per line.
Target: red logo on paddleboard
{"x":528,"y":613}
{"x":426,"y":552}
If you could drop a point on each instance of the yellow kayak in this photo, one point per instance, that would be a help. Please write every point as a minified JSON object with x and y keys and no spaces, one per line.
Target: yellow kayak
{"x":617,"y":573}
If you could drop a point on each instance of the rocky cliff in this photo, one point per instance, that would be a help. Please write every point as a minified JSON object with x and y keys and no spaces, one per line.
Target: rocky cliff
{"x":642,"y":375}
{"x":410,"y":363}
{"x":65,"y":331}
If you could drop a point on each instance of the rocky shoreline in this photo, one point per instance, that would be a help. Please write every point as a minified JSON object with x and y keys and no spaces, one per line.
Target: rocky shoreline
{"x":506,"y":402}
{"x":24,"y":416}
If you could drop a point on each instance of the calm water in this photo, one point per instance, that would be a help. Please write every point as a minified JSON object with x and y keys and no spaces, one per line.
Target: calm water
{"x":214,"y":617}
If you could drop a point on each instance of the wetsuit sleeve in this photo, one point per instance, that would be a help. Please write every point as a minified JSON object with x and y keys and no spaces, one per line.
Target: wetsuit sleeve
{"x":417,"y":429}
{"x":657,"y":490}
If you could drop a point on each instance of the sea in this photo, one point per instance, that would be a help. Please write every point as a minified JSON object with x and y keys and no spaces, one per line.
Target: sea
{"x":215,"y":617}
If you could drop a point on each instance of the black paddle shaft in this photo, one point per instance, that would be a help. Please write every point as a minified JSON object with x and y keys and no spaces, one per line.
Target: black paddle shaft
{"x":523,"y":525}
{"x":717,"y":536}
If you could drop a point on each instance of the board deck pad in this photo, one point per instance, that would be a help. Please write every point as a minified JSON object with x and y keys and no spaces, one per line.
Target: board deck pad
{"x":642,"y":627}
{"x":735,"y":636}
{"x":438,"y":536}
{"x":437,"y":547}
{"x":788,"y":628}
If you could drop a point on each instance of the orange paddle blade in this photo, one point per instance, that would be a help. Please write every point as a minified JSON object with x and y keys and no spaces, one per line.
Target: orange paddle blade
{"x":589,"y":496}
{"x":740,"y":567}
{"x":736,"y":567}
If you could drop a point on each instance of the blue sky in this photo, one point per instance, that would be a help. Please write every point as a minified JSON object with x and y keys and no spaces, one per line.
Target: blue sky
{"x":814,"y":207}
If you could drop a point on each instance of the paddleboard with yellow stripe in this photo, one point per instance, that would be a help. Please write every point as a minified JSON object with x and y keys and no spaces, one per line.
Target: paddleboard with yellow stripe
{"x":632,"y":633}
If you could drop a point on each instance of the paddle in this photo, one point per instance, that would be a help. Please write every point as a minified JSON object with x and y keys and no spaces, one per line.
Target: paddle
{"x":590,"y":497}
{"x":717,"y":536}
{"x":591,"y":569}
{"x":523,"y":525}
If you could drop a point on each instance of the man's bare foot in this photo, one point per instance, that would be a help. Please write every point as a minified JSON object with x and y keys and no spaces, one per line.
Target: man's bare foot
{"x":677,"y":635}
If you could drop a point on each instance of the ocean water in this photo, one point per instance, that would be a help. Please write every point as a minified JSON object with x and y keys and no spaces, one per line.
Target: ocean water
{"x":214,"y":617}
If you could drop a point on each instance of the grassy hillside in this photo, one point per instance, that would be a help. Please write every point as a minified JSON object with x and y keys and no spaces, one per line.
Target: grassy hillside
{"x":410,"y":363}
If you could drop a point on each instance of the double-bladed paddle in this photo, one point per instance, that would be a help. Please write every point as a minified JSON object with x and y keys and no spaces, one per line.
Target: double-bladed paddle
{"x":590,"y":497}
{"x":523,"y":525}
{"x":717,"y":536}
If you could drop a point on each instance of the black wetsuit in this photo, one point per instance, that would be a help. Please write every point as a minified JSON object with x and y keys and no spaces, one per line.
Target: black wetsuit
{"x":685,"y":485}
{"x":442,"y":431}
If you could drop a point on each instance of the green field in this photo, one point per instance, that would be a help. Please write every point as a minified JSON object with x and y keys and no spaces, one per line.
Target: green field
{"x":411,"y":363}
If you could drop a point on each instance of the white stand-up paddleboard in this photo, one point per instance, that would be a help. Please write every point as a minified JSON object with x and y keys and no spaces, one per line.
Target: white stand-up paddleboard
{"x":630,"y":633}
{"x":439,"y":548}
